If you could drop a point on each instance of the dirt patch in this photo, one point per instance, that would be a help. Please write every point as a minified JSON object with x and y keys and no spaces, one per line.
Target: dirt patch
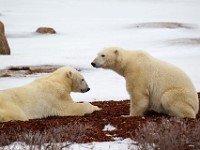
{"x":18,"y":71}
{"x":167,"y":25}
{"x":185,"y":41}
{"x":23,"y":71}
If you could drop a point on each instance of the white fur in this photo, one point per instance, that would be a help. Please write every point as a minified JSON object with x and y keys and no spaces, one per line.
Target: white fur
{"x":46,"y":96}
{"x":151,"y":83}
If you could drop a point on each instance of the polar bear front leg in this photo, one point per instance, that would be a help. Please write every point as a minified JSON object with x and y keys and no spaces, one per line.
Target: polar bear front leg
{"x":87,"y":108}
{"x":139,"y":103}
{"x":80,"y":109}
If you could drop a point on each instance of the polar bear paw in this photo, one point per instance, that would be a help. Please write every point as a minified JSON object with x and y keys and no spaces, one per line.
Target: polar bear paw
{"x":96,"y":108}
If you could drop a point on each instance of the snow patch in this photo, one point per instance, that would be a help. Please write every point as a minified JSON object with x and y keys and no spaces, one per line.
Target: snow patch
{"x":109,"y":127}
{"x":125,"y":144}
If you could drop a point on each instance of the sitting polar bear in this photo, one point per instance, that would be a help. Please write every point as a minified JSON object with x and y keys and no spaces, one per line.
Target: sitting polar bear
{"x":46,"y":96}
{"x":151,"y":83}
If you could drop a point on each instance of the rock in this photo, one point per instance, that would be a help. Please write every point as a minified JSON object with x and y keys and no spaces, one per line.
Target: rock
{"x":45,"y":30}
{"x":2,"y":28}
{"x":4,"y":47}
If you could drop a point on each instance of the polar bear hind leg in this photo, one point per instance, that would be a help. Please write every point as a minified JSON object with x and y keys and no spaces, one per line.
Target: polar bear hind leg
{"x":177,"y":104}
{"x":12,"y":113}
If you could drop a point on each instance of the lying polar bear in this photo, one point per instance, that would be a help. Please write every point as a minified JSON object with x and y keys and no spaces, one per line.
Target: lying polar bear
{"x":151,"y":83}
{"x":46,"y":96}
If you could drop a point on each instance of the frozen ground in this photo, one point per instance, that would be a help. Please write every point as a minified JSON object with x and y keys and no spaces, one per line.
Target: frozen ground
{"x":86,"y":26}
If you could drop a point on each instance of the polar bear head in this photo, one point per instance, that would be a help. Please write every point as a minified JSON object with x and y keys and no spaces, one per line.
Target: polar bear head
{"x":71,"y":78}
{"x":107,"y":58}
{"x":78,"y":82}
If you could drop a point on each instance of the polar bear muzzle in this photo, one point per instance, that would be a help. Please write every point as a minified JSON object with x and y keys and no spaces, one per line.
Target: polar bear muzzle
{"x":85,"y":90}
{"x":96,"y":65}
{"x":99,"y":61}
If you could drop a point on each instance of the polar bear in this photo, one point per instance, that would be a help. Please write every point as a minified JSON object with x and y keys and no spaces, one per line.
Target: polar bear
{"x":46,"y":96}
{"x":151,"y":83}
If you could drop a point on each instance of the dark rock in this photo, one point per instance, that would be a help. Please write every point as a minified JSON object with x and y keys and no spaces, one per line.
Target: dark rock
{"x":4,"y":47}
{"x":45,"y":30}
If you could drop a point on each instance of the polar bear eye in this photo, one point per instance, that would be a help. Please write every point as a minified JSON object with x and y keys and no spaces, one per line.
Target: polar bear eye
{"x":102,"y":55}
{"x":82,"y":80}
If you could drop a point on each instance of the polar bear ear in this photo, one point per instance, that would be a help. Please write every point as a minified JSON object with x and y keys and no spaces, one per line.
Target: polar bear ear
{"x":118,"y":56}
{"x":116,"y":52}
{"x":69,"y":74}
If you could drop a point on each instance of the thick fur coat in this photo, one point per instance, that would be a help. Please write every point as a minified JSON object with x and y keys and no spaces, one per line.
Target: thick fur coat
{"x":46,"y":96}
{"x":151,"y":83}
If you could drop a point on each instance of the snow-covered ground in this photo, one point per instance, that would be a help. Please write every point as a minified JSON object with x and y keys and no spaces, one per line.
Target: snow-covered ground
{"x":86,"y":26}
{"x":119,"y":144}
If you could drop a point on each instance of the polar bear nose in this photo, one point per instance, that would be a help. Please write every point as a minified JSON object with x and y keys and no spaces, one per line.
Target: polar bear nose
{"x":93,"y":64}
{"x":87,"y":89}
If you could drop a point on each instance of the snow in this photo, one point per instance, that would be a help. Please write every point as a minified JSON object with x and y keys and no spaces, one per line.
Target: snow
{"x":109,"y":127}
{"x":85,"y":27}
{"x":114,"y":145}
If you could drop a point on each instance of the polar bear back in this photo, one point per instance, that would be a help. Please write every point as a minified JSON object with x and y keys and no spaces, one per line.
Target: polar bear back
{"x":161,"y":77}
